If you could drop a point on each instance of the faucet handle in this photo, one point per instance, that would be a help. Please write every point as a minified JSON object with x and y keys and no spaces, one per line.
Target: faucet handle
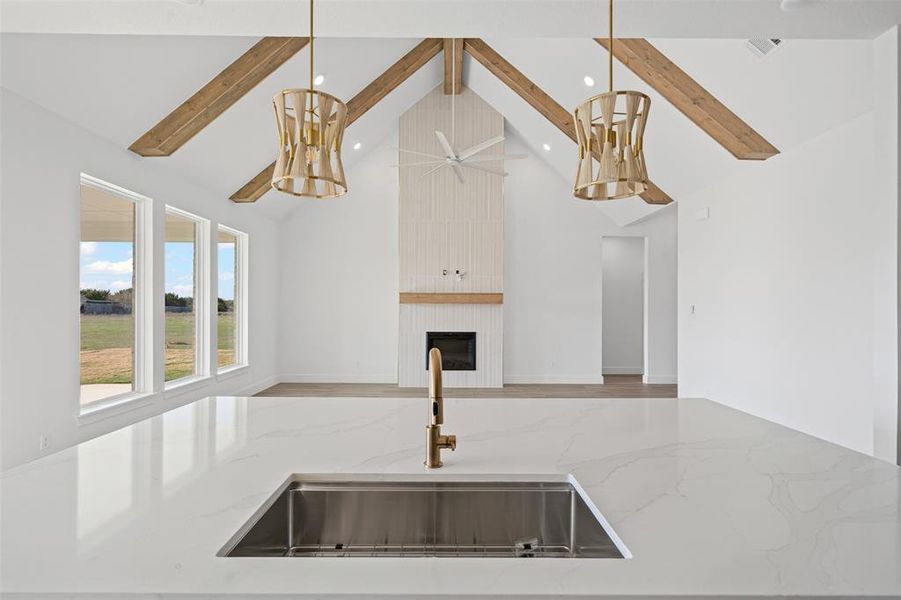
{"x":449,"y":441}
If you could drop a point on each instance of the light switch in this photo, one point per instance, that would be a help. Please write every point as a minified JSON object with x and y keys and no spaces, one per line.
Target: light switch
{"x":702,"y":214}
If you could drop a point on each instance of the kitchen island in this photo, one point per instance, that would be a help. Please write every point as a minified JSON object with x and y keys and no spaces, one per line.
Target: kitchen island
{"x":709,"y":501}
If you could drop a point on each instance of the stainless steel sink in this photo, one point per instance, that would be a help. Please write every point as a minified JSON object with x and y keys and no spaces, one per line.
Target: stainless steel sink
{"x":523,"y":519}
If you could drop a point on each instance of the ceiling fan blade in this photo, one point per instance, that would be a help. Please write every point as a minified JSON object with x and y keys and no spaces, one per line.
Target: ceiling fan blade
{"x":436,"y":156}
{"x":485,"y":170}
{"x":479,"y":147}
{"x":458,"y":170}
{"x":445,"y":145}
{"x":438,"y":168}
{"x":496,"y":157}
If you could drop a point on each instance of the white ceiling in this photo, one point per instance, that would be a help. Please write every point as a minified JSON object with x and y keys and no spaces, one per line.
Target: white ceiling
{"x":119,"y":86}
{"x":441,"y":18}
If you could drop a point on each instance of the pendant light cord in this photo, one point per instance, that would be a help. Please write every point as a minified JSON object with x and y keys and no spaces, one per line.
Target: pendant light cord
{"x":609,"y":46}
{"x":311,"y":44}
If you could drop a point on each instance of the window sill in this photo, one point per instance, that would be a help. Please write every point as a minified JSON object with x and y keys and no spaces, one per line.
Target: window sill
{"x":185,"y":384}
{"x":114,"y":407}
{"x":231,"y":371}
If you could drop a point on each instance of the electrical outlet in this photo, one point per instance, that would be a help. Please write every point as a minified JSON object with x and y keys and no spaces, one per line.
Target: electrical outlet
{"x":44,"y":442}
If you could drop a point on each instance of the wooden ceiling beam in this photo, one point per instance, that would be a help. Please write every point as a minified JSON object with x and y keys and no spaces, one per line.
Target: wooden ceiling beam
{"x":453,"y":66}
{"x":215,"y":97}
{"x":539,"y":100}
{"x":368,"y":97}
{"x":687,"y":95}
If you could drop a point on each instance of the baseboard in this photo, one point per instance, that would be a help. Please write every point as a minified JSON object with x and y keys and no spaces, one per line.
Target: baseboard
{"x":259,"y":386}
{"x":623,"y":371}
{"x":593,"y":379}
{"x":333,"y":378}
{"x":667,"y":379}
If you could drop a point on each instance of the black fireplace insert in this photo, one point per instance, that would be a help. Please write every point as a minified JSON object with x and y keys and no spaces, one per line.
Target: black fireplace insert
{"x":458,"y":349}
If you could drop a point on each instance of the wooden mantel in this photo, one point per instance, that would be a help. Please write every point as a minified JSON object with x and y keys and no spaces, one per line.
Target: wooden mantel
{"x":450,"y":298}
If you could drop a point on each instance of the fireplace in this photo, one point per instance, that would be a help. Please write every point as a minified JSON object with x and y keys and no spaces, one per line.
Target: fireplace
{"x":458,"y":349}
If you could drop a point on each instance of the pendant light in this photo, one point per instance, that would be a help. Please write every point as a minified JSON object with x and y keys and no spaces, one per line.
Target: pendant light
{"x":610,"y":132}
{"x":310,"y":128}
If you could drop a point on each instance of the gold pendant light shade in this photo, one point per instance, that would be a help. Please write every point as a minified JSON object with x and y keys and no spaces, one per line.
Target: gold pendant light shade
{"x":311,"y":128}
{"x":310,"y":131}
{"x":610,"y":132}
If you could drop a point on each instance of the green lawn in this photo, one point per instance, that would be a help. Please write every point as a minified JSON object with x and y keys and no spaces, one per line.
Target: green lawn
{"x":106,"y":343}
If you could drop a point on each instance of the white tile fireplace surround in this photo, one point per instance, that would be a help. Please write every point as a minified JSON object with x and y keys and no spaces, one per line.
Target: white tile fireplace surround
{"x":486,"y":320}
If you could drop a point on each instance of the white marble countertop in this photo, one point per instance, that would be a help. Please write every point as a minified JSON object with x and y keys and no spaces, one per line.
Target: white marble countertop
{"x":710,"y":501}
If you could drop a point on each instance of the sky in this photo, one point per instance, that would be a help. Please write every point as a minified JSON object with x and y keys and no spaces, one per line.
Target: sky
{"x":108,"y":266}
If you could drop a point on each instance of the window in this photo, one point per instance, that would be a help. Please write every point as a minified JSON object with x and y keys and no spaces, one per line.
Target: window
{"x":185,"y":302}
{"x":112,"y":323}
{"x":231,"y":301}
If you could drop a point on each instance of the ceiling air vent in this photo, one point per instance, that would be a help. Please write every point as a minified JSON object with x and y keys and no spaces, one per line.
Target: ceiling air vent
{"x":762,"y":46}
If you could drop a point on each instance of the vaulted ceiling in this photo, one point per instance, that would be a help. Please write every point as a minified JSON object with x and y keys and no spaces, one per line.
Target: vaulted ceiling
{"x":691,"y":19}
{"x":120,"y":86}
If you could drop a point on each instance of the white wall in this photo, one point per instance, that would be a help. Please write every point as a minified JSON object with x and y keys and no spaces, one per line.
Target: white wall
{"x":887,"y":147}
{"x":552,"y":283}
{"x":622,"y":291}
{"x":339,"y":311}
{"x":42,"y":157}
{"x":339,"y":275}
{"x":786,"y":277}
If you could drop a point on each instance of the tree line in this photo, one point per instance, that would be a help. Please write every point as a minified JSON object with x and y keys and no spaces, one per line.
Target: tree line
{"x":172,"y":299}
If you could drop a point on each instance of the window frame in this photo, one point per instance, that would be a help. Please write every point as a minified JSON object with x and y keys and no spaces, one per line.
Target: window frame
{"x":142,"y":298}
{"x":241,"y":300}
{"x":201,"y":298}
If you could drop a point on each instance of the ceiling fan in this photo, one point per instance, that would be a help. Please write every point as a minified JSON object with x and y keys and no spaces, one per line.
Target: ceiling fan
{"x":463,"y":159}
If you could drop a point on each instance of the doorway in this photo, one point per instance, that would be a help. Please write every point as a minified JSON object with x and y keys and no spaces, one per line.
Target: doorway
{"x":623,"y":307}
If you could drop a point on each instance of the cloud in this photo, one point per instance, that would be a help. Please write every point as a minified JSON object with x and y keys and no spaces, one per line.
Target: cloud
{"x":185,"y":291}
{"x":119,"y":285}
{"x":88,"y":248}
{"x":122,"y":267}
{"x":226,"y":275}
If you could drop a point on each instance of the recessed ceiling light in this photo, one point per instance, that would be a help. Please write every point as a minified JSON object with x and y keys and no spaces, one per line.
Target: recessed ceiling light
{"x":547,"y":147}
{"x":319,"y":80}
{"x":357,"y":145}
{"x":589,"y":80}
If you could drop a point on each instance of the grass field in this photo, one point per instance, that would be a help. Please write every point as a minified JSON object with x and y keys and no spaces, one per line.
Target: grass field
{"x":107,"y":340}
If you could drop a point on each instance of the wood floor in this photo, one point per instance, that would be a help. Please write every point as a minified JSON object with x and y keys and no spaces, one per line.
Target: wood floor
{"x":615,"y":386}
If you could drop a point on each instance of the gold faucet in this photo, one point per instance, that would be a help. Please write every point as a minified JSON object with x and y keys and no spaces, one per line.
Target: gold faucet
{"x":434,"y":440}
